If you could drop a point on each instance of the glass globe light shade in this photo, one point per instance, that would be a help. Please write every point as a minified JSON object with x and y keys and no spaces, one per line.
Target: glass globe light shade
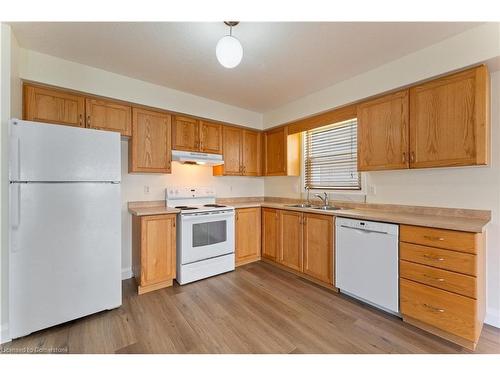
{"x":229,"y":51}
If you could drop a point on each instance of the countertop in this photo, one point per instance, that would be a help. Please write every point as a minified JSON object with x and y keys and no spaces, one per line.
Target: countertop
{"x":444,"y":218}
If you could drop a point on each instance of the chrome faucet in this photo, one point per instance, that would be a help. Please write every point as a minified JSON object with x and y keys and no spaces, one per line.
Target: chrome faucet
{"x":323,"y":198}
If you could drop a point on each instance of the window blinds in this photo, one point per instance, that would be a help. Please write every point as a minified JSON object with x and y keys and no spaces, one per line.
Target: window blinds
{"x":330,"y":157}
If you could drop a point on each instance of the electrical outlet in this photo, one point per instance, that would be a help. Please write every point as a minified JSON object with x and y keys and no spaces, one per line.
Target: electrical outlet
{"x":372,"y":190}
{"x":146,"y":189}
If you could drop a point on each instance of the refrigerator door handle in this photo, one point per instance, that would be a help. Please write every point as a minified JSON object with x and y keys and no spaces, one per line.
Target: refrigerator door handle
{"x":15,"y":158}
{"x":15,"y":208}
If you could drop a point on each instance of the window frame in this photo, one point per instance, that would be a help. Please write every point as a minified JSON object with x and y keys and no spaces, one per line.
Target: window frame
{"x":359,"y":189}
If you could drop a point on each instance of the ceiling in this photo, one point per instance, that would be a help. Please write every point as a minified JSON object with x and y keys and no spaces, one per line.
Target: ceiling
{"x":282,"y":61}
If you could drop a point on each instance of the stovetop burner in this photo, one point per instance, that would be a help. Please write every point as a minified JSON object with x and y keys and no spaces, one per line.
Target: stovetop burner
{"x":186,"y":208}
{"x":213,"y":205}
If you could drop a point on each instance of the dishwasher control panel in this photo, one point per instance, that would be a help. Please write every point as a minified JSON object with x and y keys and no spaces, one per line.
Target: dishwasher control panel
{"x":373,"y":226}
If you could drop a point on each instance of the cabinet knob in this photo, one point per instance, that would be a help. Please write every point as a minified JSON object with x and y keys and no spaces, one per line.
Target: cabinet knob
{"x":404,"y":157}
{"x":88,"y":121}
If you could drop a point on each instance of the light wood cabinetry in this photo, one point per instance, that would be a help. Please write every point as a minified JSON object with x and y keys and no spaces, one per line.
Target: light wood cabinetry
{"x":442,"y":287}
{"x":449,"y":120}
{"x":290,"y":239}
{"x":153,"y":251}
{"x":190,"y":134}
{"x":318,"y":246}
{"x":53,"y":106}
{"x":383,"y":133}
{"x":247,"y":236}
{"x":270,"y":233}
{"x":108,"y":115}
{"x":444,"y":122}
{"x":281,"y":153}
{"x":241,"y":151}
{"x":185,"y":134}
{"x":210,"y":137}
{"x":301,"y":242}
{"x":149,"y":146}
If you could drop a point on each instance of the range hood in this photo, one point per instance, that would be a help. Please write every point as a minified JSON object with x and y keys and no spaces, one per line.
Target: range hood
{"x":197,"y":158}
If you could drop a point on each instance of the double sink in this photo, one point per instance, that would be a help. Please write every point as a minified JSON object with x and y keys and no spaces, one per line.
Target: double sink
{"x":321,"y":208}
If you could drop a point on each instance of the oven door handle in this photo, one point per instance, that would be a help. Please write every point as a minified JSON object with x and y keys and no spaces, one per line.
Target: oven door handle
{"x":204,"y":216}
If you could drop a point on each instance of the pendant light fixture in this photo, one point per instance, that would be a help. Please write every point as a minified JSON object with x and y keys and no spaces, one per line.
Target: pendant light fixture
{"x":229,"y":50}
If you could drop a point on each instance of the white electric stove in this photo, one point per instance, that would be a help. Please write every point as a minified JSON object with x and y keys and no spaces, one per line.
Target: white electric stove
{"x":205,"y":233}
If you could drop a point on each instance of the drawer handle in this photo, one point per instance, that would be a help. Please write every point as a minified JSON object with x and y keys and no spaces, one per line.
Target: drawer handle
{"x":434,"y":238}
{"x":432,"y":257}
{"x":433,"y":308}
{"x":435,"y":278}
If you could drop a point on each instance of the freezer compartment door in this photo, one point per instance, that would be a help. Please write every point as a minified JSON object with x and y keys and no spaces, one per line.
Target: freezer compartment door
{"x":65,"y":254}
{"x":44,"y":152}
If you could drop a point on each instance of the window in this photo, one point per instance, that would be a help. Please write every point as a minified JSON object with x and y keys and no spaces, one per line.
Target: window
{"x":330,"y":157}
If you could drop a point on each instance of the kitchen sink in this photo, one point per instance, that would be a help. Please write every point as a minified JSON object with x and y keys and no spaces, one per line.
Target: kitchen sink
{"x":326,"y":208}
{"x":301,"y":205}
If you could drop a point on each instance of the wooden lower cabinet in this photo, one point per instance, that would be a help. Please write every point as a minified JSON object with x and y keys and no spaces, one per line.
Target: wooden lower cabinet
{"x":270,"y":231}
{"x":153,"y":251}
{"x":301,"y":242}
{"x":442,"y":287}
{"x":247,"y":236}
{"x":290,"y":239}
{"x":318,"y":247}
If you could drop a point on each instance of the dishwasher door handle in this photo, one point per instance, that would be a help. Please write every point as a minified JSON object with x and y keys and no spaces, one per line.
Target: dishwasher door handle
{"x":364,"y":230}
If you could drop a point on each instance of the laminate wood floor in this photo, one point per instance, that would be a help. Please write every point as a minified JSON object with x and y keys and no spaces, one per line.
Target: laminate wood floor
{"x":256,"y":309}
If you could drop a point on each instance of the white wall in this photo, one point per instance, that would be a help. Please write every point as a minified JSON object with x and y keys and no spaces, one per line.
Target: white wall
{"x":51,"y":70}
{"x":182,"y":175}
{"x":479,"y":44}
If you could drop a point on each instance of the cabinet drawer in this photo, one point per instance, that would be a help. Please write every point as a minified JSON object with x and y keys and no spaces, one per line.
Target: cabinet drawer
{"x":447,"y":311}
{"x":442,"y":238}
{"x":450,"y":281}
{"x":440,"y":258}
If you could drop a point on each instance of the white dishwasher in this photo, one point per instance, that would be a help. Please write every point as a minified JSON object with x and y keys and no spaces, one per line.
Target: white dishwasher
{"x":366,"y":262}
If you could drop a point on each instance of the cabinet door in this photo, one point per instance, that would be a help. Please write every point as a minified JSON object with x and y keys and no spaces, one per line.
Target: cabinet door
{"x":232,"y":139}
{"x":211,"y":137}
{"x":449,"y":120}
{"x":290,"y":253}
{"x":185,"y":134}
{"x":149,"y":147}
{"x":157,"y":249}
{"x":251,"y":150}
{"x":108,"y":115}
{"x":275,"y":152}
{"x":318,"y":247}
{"x":247,"y":235}
{"x":383,"y":133}
{"x":53,"y":106}
{"x":270,"y":237}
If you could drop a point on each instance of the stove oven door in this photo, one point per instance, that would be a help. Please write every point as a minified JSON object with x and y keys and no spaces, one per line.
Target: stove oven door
{"x":206,"y":235}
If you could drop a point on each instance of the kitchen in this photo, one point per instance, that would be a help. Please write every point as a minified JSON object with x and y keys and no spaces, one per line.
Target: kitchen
{"x":400,"y":233}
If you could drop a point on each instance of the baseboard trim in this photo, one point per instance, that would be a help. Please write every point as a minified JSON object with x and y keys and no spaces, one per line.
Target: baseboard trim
{"x":4,"y":334}
{"x":127,"y":273}
{"x":492,"y":318}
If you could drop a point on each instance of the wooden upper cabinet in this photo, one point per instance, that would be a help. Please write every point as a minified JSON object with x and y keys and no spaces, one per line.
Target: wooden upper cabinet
{"x":232,"y":139}
{"x":247,"y":237}
{"x":281,"y":153}
{"x":149,"y":147}
{"x":185,"y":134}
{"x":241,"y":152}
{"x":210,"y":137}
{"x":270,"y":233}
{"x":318,"y":246}
{"x":449,"y":120}
{"x":290,"y":239}
{"x":383,"y":133}
{"x":53,"y":106}
{"x":251,"y":151}
{"x":108,"y":115}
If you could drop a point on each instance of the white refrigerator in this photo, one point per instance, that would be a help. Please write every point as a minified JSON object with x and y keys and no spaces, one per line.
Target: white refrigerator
{"x":65,"y":224}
